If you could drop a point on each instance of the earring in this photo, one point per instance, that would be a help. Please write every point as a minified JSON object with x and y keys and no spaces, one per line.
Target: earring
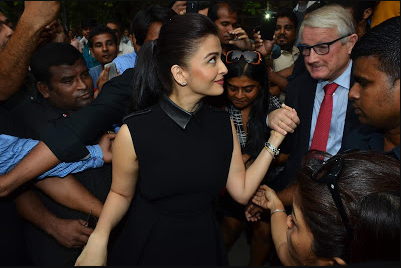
{"x":184,"y":83}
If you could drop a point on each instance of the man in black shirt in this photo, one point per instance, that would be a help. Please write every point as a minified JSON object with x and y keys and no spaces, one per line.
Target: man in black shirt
{"x":80,"y":128}
{"x":65,"y":86}
{"x":376,"y":92}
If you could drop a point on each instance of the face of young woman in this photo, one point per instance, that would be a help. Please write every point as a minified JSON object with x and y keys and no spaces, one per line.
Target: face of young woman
{"x":205,"y":75}
{"x":300,"y":240}
{"x":299,"y":237}
{"x":242,"y":91}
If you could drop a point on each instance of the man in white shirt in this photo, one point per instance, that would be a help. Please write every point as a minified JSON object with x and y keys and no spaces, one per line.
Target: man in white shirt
{"x":87,"y":26}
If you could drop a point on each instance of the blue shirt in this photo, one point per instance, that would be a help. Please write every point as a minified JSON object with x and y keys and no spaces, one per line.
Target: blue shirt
{"x":125,"y":62}
{"x":340,"y":103}
{"x":89,"y":59}
{"x":95,"y":73}
{"x":13,"y":150}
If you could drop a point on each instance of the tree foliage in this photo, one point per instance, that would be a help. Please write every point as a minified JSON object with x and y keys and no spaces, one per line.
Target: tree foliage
{"x":73,"y":12}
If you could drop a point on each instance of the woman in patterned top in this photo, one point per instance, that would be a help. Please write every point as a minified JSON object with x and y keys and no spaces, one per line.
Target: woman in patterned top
{"x":249,"y":100}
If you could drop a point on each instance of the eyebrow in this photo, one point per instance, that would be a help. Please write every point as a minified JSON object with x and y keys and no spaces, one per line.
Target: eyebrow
{"x":247,"y":86}
{"x":108,"y":40}
{"x":360,"y":79}
{"x":212,"y":54}
{"x":67,"y":77}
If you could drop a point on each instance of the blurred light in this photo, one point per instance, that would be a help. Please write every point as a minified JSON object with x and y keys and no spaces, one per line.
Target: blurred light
{"x":267,"y":16}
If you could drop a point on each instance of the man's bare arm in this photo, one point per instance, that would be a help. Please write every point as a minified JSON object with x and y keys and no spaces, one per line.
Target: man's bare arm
{"x":17,"y":53}
{"x":280,"y":78}
{"x":71,"y":193}
{"x":70,"y":233}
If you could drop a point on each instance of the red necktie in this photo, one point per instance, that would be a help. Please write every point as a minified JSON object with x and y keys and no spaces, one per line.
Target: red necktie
{"x":322,"y":129}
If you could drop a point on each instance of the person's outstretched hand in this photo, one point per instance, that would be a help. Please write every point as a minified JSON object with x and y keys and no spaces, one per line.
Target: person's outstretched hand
{"x":93,"y":254}
{"x":266,"y":198}
{"x":180,"y":7}
{"x":41,"y":13}
{"x":241,"y":40}
{"x":253,"y":213}
{"x":284,"y":120}
{"x":106,"y":144}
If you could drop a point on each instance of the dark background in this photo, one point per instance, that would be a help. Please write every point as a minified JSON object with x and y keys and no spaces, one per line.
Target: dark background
{"x":72,"y":12}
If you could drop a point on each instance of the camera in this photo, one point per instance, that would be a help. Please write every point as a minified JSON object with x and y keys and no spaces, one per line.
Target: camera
{"x":192,"y":6}
{"x":268,"y":26}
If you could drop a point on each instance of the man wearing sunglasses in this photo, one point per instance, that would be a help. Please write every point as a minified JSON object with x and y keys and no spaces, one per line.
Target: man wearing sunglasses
{"x":320,"y":96}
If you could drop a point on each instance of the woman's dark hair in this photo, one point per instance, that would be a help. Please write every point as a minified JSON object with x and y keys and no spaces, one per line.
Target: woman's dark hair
{"x":257,"y":129}
{"x":363,"y":174}
{"x":179,"y":39}
{"x":377,"y":231}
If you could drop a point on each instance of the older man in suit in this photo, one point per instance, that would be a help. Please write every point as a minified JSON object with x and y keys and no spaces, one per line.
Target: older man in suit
{"x":320,"y":96}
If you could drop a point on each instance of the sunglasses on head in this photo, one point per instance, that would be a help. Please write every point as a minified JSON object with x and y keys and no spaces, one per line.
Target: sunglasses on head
{"x":330,"y":179}
{"x":252,"y":57}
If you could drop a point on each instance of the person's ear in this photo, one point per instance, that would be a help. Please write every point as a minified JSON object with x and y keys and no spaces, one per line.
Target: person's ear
{"x":91,"y":51}
{"x":352,"y":39}
{"x":179,"y":75}
{"x":134,"y":44}
{"x":43,"y":89}
{"x":367,"y":13}
{"x":132,"y":39}
{"x":339,"y":261}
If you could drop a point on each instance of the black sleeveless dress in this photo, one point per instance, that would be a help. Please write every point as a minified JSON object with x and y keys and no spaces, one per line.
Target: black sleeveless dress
{"x":184,"y":160}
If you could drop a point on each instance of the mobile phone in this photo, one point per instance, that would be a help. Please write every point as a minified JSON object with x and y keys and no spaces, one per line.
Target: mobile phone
{"x":192,"y":6}
{"x":268,"y":27}
{"x":113,"y":69}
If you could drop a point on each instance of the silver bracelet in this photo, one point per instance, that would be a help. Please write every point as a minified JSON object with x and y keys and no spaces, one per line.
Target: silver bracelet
{"x":270,"y":152}
{"x":277,"y":210}
{"x":274,"y":149}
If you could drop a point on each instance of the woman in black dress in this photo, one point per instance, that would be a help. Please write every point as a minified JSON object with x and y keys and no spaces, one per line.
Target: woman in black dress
{"x":174,"y":155}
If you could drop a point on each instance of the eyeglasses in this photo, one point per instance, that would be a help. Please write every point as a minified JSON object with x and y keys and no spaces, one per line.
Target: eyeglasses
{"x":320,"y":49}
{"x":252,"y":57}
{"x":330,"y":178}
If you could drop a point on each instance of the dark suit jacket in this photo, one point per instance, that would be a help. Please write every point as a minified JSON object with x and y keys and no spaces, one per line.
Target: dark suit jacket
{"x":300,"y":95}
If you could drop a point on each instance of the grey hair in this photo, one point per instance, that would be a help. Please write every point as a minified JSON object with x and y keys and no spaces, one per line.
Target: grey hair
{"x":330,"y":16}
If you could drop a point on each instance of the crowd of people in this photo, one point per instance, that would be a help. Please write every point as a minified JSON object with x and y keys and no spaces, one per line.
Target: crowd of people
{"x":206,"y":131}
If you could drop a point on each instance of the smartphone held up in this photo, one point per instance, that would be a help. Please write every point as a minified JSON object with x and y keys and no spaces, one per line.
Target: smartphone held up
{"x":192,"y":6}
{"x":268,"y":26}
{"x":113,"y":69}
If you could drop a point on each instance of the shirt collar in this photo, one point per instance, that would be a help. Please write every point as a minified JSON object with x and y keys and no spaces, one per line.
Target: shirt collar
{"x":294,"y":51}
{"x":344,"y":80}
{"x":179,"y":115}
{"x":376,"y":143}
